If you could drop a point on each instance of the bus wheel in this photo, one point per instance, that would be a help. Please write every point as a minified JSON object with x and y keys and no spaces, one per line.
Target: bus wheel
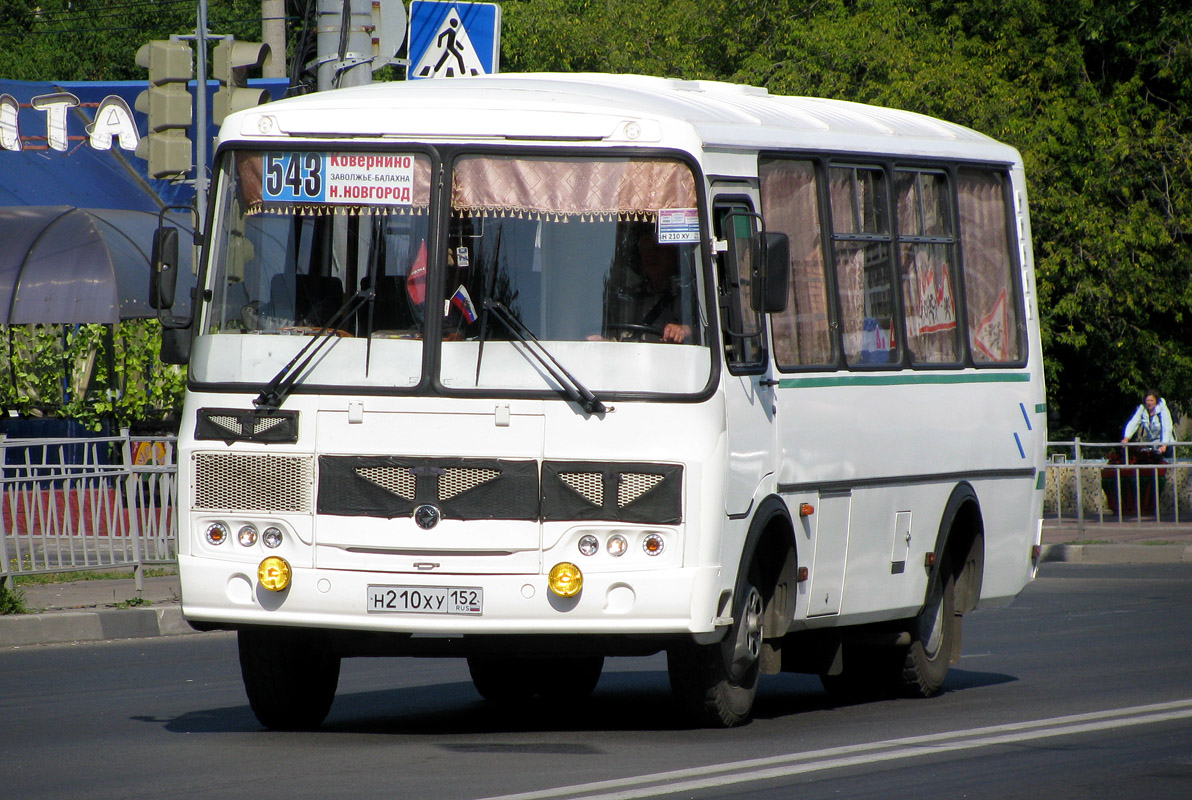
{"x":716,"y":684}
{"x":927,"y":658}
{"x":290,"y":681}
{"x":503,"y":680}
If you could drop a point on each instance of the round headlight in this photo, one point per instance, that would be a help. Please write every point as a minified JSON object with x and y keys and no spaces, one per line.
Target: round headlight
{"x":588,"y":544}
{"x":247,"y":536}
{"x":274,"y":573}
{"x":565,"y":579}
{"x":653,"y":544}
{"x":217,"y":533}
{"x":272,"y":537}
{"x":617,"y":545}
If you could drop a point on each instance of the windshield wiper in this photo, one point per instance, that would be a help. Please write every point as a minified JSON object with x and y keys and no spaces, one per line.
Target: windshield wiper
{"x":571,"y":385}
{"x":276,"y":391}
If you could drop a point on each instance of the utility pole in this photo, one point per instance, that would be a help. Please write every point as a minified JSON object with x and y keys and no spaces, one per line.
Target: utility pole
{"x":344,"y":43}
{"x":201,"y":140}
{"x":273,"y":33}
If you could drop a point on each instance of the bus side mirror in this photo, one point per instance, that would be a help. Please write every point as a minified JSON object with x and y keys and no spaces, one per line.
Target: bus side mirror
{"x":776,"y":261}
{"x":164,"y":268}
{"x":175,"y":345}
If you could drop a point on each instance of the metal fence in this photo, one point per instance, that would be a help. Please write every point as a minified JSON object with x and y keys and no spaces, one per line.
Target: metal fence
{"x":1092,"y":483}
{"x":70,"y":505}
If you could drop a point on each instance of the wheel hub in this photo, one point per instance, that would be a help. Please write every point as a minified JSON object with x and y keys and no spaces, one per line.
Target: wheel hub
{"x":747,"y":645}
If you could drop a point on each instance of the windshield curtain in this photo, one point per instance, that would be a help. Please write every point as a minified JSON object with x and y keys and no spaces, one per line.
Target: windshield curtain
{"x":597,"y":257}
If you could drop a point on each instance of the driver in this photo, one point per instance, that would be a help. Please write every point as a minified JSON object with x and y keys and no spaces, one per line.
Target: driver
{"x":649,"y":307}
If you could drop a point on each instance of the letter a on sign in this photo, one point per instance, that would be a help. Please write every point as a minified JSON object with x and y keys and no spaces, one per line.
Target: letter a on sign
{"x":113,"y":120}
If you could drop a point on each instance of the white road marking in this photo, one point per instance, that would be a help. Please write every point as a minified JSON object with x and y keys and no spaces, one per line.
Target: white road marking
{"x":761,"y":769}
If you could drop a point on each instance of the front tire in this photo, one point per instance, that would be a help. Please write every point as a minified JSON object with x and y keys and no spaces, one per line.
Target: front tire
{"x":716,"y":684}
{"x":289,"y":679}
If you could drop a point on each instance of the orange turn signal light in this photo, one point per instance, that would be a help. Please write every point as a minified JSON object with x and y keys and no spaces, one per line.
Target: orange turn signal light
{"x":806,"y":509}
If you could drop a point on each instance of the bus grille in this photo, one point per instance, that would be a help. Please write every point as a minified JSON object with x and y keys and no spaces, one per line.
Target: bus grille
{"x":456,"y":480}
{"x":253,"y":482}
{"x":399,"y":480}
{"x":632,"y":485}
{"x":588,"y":485}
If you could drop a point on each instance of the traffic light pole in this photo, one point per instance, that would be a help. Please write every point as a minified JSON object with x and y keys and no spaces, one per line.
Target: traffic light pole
{"x":201,"y":123}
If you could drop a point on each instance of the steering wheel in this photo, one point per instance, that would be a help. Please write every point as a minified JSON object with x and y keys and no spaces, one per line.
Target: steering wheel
{"x":635,"y":327}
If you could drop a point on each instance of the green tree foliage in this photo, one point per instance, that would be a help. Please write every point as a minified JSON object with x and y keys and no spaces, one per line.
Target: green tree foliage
{"x":89,"y":373}
{"x":90,"y":40}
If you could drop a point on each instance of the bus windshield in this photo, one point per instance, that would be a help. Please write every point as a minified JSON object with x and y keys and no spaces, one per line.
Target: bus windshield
{"x":597,"y":258}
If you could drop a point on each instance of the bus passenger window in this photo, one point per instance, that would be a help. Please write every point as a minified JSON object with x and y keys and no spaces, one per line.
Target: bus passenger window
{"x":926,"y":255}
{"x":861,"y":244}
{"x":992,"y":296}
{"x":790,"y":204}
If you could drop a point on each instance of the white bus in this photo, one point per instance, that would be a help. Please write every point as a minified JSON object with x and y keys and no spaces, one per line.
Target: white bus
{"x":537,"y":370}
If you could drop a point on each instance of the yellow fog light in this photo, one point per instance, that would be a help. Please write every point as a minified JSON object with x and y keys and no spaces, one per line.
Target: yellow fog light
{"x":565,"y":579}
{"x":274,"y":573}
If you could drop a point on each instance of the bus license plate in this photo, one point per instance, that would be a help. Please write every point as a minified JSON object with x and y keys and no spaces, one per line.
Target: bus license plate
{"x":425,"y":600}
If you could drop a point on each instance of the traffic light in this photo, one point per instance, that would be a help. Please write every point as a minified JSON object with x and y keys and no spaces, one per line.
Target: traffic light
{"x":169,"y":106}
{"x":232,"y":61}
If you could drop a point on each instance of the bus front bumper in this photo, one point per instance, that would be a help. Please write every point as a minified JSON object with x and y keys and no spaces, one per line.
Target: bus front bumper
{"x":219,"y":594}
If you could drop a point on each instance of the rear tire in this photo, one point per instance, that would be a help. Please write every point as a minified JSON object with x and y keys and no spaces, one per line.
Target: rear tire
{"x":289,"y":679}
{"x":716,"y":684}
{"x":925,"y":665}
{"x":514,"y":679}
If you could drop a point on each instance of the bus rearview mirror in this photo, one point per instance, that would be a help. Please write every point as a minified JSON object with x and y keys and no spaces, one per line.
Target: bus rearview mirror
{"x":163,"y":276}
{"x":775,"y":257}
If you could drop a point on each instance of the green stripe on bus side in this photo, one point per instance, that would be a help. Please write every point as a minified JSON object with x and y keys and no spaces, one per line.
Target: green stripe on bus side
{"x":1040,"y":408}
{"x":1041,"y":482}
{"x":900,"y":379}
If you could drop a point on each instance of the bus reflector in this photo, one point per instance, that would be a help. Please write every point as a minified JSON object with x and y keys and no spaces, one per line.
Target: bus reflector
{"x":565,"y":579}
{"x":806,"y":509}
{"x":274,"y":573}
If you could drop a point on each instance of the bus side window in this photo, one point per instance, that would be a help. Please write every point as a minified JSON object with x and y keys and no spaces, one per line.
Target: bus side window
{"x":993,"y":296}
{"x":741,"y":326}
{"x":802,"y":335}
{"x":864,"y":272}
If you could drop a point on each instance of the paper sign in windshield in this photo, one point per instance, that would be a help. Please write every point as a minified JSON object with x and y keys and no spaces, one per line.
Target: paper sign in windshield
{"x":350,"y":178}
{"x":678,"y":225}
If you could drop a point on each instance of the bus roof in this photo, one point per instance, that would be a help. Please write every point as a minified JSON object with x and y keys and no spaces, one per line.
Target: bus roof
{"x":589,"y":107}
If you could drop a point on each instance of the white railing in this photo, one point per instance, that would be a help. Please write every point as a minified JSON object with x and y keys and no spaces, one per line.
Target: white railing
{"x":1092,"y":483}
{"x":69,"y":505}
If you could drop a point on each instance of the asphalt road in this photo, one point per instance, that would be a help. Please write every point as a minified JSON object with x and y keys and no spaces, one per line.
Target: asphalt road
{"x":1081,"y":689}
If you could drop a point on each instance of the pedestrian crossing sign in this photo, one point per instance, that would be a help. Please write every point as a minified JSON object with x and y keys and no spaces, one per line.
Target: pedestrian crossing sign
{"x":450,"y":40}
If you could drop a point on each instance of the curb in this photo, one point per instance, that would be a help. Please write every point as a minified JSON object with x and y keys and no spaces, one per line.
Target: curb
{"x":89,"y":626}
{"x":1117,"y":553}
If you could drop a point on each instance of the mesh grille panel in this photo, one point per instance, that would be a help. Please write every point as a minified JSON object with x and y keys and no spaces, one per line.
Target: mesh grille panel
{"x":589,"y":485}
{"x":225,"y":421}
{"x":398,"y":480}
{"x":633,"y":485}
{"x":253,"y":482}
{"x":263,"y":424}
{"x":456,"y":480}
